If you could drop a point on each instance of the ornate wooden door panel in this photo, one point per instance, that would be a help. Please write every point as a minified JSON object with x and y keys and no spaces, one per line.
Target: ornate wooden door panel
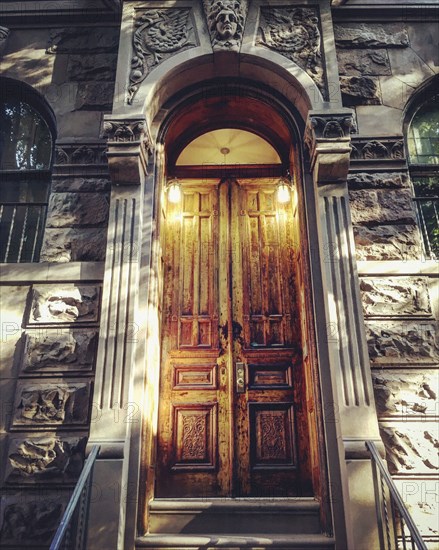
{"x":230,"y":346}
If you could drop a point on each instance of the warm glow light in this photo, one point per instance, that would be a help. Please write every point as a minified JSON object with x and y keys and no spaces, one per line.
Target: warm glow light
{"x":283,"y":193}
{"x":174,"y":192}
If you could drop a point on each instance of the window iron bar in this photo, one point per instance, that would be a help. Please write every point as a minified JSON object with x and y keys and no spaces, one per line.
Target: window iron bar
{"x":23,"y":234}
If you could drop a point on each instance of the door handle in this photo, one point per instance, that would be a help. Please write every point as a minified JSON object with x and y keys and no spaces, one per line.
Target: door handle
{"x":240,"y":377}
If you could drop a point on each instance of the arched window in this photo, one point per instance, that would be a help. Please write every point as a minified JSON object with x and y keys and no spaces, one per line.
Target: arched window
{"x":26,"y":146}
{"x":423,"y":149}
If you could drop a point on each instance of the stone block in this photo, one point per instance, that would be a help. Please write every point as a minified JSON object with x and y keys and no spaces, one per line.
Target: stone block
{"x":399,"y":342}
{"x":373,"y":207}
{"x":73,"y":209}
{"x":30,"y":520}
{"x":83,"y":40}
{"x":74,"y":245}
{"x":59,"y":350}
{"x":371,"y":35}
{"x":363,"y":62}
{"x":406,"y":393}
{"x":411,"y":447}
{"x":378,"y":180}
{"x":64,"y":303}
{"x":98,"y":68}
{"x":360,"y":90}
{"x":388,"y":242}
{"x":94,"y":96}
{"x":75,"y":184}
{"x":395,"y":296}
{"x":424,"y":40}
{"x":420,"y":496}
{"x":51,"y":404}
{"x":48,"y":458}
{"x":12,"y":307}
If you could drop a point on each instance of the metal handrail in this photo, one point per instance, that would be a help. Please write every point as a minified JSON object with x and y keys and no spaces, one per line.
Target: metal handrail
{"x":82,"y":485}
{"x":396,"y":498}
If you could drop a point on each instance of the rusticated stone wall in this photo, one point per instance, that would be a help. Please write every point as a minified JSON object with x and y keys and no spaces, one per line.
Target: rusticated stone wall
{"x":381,"y":64}
{"x":49,"y":340}
{"x":49,"y":328}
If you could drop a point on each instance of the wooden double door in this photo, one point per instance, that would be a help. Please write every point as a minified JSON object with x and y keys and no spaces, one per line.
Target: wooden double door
{"x":231,"y":419}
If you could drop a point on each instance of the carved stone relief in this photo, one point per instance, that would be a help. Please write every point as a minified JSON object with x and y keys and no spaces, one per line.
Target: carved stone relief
{"x":126,"y":131}
{"x":411,"y":447}
{"x":159,"y":34}
{"x":4,"y":33}
{"x":363,"y":62}
{"x":51,"y":404}
{"x":400,"y":343}
{"x":397,"y":296}
{"x":67,"y":153}
{"x":360,"y":90}
{"x":382,"y":149}
{"x":295,"y":34}
{"x":50,"y":350}
{"x":407,"y":393}
{"x":30,"y":523}
{"x":76,"y":40}
{"x":64,"y":303}
{"x":226,"y":20}
{"x":45,"y":459}
{"x":330,"y":127}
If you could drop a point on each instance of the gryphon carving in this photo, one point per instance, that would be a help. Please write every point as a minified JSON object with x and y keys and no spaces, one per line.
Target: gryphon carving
{"x":159,"y":33}
{"x":225,"y":19}
{"x":294,"y":33}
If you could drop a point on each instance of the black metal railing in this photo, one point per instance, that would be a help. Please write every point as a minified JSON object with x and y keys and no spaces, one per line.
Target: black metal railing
{"x":397,"y":530}
{"x":72,"y":531}
{"x":21,"y":231}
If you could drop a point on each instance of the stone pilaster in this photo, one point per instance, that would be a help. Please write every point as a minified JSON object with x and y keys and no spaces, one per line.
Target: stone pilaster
{"x":327,"y":137}
{"x":114,"y":411}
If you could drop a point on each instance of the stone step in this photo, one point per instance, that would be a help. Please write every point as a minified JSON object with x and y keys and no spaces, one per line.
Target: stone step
{"x":236,"y":542}
{"x":234,"y":516}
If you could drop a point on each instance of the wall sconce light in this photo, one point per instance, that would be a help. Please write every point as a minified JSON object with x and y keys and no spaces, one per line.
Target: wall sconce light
{"x":174,"y":191}
{"x":284,"y":187}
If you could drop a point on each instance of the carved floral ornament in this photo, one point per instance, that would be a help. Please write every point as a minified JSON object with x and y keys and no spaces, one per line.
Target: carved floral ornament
{"x":159,"y":33}
{"x":122,"y":131}
{"x":295,"y":34}
{"x":328,"y":128}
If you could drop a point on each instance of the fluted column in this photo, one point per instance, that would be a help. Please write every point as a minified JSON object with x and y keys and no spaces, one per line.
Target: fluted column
{"x":344,"y":348}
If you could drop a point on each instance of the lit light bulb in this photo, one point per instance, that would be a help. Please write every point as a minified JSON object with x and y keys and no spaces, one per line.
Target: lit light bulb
{"x":283,"y":193}
{"x":174,"y":192}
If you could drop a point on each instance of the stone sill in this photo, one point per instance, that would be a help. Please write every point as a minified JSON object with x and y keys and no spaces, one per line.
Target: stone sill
{"x":44,"y":272}
{"x":429,"y":268}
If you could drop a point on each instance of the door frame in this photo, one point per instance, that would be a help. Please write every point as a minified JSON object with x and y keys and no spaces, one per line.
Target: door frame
{"x":292,"y":153}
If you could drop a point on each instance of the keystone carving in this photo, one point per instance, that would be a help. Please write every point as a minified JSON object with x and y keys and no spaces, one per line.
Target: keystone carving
{"x":4,"y":33}
{"x":158,"y":34}
{"x":30,"y":523}
{"x":52,"y":404}
{"x":225,"y":20}
{"x":295,"y":34}
{"x":45,"y":458}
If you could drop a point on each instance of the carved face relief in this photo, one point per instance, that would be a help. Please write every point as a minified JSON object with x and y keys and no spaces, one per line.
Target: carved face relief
{"x":226,"y":23}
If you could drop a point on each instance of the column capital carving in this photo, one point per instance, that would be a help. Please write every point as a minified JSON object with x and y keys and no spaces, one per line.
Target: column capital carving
{"x":129,"y":144}
{"x":327,"y":137}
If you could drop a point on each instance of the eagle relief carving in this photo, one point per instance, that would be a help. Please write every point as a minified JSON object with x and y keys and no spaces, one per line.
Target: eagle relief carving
{"x":295,"y":34}
{"x":159,"y":34}
{"x":226,"y":19}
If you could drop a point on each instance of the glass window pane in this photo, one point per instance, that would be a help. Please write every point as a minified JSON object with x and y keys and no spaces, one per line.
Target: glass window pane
{"x":25,"y":139}
{"x":423,"y":138}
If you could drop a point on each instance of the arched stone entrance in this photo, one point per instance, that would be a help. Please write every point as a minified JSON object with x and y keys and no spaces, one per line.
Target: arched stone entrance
{"x":333,"y":297}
